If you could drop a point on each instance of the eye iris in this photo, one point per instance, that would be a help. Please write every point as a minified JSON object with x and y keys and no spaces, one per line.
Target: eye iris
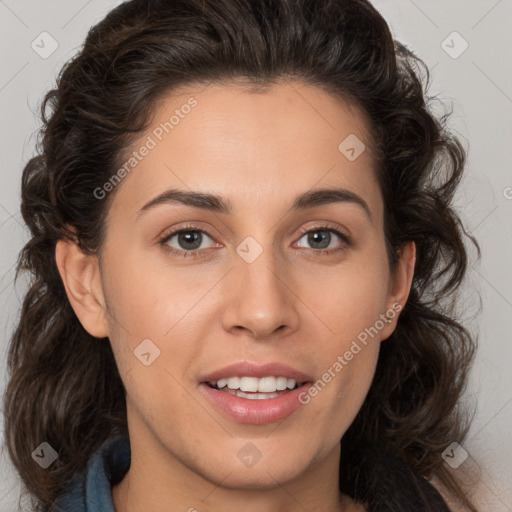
{"x":314,"y":239}
{"x":189,"y":237}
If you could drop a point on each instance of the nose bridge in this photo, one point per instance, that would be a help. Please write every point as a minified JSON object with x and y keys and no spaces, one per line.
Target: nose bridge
{"x":260,"y":300}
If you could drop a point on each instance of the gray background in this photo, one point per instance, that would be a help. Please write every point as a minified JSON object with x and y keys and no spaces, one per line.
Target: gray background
{"x":477,"y":84}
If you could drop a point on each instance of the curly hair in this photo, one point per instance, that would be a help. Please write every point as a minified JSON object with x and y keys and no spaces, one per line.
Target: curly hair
{"x":62,"y":391}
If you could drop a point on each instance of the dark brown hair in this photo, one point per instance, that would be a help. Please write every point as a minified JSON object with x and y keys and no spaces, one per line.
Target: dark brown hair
{"x":64,"y":385}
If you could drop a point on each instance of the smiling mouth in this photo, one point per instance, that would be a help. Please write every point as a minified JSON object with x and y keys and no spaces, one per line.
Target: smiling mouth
{"x":253,"y":388}
{"x":255,"y":400}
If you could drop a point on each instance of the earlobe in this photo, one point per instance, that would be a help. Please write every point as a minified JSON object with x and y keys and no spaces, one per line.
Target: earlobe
{"x":400,"y":286}
{"x":82,"y":281}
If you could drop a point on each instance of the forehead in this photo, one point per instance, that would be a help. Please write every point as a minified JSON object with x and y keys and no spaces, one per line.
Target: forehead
{"x":257,"y":148}
{"x":229,"y":115}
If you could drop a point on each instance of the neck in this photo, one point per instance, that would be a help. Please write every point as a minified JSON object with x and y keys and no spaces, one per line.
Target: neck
{"x":177,"y":487}
{"x":161,"y":479}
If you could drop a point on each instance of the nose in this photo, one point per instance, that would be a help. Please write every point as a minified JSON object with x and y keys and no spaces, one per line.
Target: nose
{"x":260,"y":299}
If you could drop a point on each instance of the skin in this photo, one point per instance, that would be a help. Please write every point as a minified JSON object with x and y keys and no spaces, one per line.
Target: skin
{"x":294,"y":304}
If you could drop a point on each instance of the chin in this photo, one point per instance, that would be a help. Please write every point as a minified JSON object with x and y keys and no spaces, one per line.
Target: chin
{"x":259,"y":477}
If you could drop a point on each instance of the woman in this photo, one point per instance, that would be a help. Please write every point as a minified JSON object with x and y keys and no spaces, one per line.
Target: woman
{"x":245,"y":260}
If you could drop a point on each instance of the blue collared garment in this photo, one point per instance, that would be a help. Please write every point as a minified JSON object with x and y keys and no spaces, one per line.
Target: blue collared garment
{"x":92,"y":490}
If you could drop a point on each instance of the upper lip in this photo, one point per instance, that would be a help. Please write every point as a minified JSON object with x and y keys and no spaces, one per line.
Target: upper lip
{"x":248,"y":369}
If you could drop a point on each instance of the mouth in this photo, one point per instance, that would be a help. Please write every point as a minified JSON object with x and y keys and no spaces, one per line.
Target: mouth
{"x":247,"y":392}
{"x":253,"y":388}
{"x":255,"y":400}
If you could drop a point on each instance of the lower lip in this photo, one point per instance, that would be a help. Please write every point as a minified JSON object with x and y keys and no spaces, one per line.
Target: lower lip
{"x":245,"y":410}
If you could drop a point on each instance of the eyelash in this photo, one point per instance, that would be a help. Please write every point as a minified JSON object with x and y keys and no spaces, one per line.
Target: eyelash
{"x":185,"y":254}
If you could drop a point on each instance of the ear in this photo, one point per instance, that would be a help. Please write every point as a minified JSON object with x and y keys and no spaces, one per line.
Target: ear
{"x":80,"y":274}
{"x":399,"y":286}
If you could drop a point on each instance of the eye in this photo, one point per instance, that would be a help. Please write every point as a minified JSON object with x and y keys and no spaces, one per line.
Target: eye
{"x":321,"y":238}
{"x":191,"y":241}
{"x":186,"y":241}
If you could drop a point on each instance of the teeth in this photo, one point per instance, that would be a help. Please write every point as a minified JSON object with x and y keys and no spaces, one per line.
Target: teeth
{"x":250,"y":396}
{"x":254,"y":385}
{"x":281,"y":383}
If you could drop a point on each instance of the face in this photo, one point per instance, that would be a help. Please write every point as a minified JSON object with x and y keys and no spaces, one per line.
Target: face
{"x":253,"y":277}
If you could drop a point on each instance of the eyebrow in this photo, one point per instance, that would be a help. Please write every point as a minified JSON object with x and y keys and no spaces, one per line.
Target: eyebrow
{"x":219,"y":204}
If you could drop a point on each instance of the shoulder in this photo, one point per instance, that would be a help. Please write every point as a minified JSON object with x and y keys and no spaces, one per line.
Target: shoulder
{"x":92,"y":487}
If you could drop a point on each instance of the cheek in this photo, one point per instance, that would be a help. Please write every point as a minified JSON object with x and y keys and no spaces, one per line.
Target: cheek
{"x":349,"y":301}
{"x":149,"y":338}
{"x":149,"y":302}
{"x":348,"y":298}
{"x":145,"y":298}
